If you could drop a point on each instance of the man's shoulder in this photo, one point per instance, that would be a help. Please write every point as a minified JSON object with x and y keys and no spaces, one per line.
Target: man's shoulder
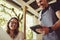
{"x":55,"y":6}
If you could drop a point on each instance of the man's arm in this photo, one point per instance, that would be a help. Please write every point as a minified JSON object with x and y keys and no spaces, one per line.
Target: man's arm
{"x":57,"y":24}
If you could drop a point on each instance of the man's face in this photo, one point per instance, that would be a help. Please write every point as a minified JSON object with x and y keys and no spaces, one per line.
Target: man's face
{"x":42,"y":3}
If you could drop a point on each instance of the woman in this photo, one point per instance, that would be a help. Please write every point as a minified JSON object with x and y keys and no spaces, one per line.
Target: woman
{"x":12,"y":29}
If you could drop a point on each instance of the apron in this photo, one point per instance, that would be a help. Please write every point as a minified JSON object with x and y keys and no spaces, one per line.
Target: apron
{"x":48,"y":18}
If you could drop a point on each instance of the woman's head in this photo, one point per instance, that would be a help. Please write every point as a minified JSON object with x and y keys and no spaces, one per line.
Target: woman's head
{"x":13,"y":24}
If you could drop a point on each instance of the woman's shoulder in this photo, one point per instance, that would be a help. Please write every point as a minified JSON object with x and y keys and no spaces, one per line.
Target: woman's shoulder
{"x":20,"y":33}
{"x":20,"y":36}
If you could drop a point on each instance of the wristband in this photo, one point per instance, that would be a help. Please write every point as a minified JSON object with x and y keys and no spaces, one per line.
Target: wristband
{"x":50,"y":29}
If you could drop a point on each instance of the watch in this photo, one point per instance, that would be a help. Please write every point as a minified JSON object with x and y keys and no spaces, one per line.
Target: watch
{"x":50,"y":29}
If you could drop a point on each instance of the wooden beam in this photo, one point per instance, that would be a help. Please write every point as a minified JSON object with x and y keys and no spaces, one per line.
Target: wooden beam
{"x":24,"y":18}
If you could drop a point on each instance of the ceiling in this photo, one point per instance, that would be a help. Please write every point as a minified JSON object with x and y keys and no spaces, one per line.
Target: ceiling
{"x":30,"y":4}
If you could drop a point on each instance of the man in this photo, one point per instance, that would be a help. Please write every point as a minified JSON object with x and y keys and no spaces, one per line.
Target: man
{"x":49,"y":20}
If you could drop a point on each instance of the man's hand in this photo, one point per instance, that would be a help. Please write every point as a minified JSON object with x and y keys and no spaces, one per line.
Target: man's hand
{"x":46,"y":30}
{"x":39,"y":30}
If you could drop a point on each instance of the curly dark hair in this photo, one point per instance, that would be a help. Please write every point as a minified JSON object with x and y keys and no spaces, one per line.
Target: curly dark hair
{"x":16,"y":30}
